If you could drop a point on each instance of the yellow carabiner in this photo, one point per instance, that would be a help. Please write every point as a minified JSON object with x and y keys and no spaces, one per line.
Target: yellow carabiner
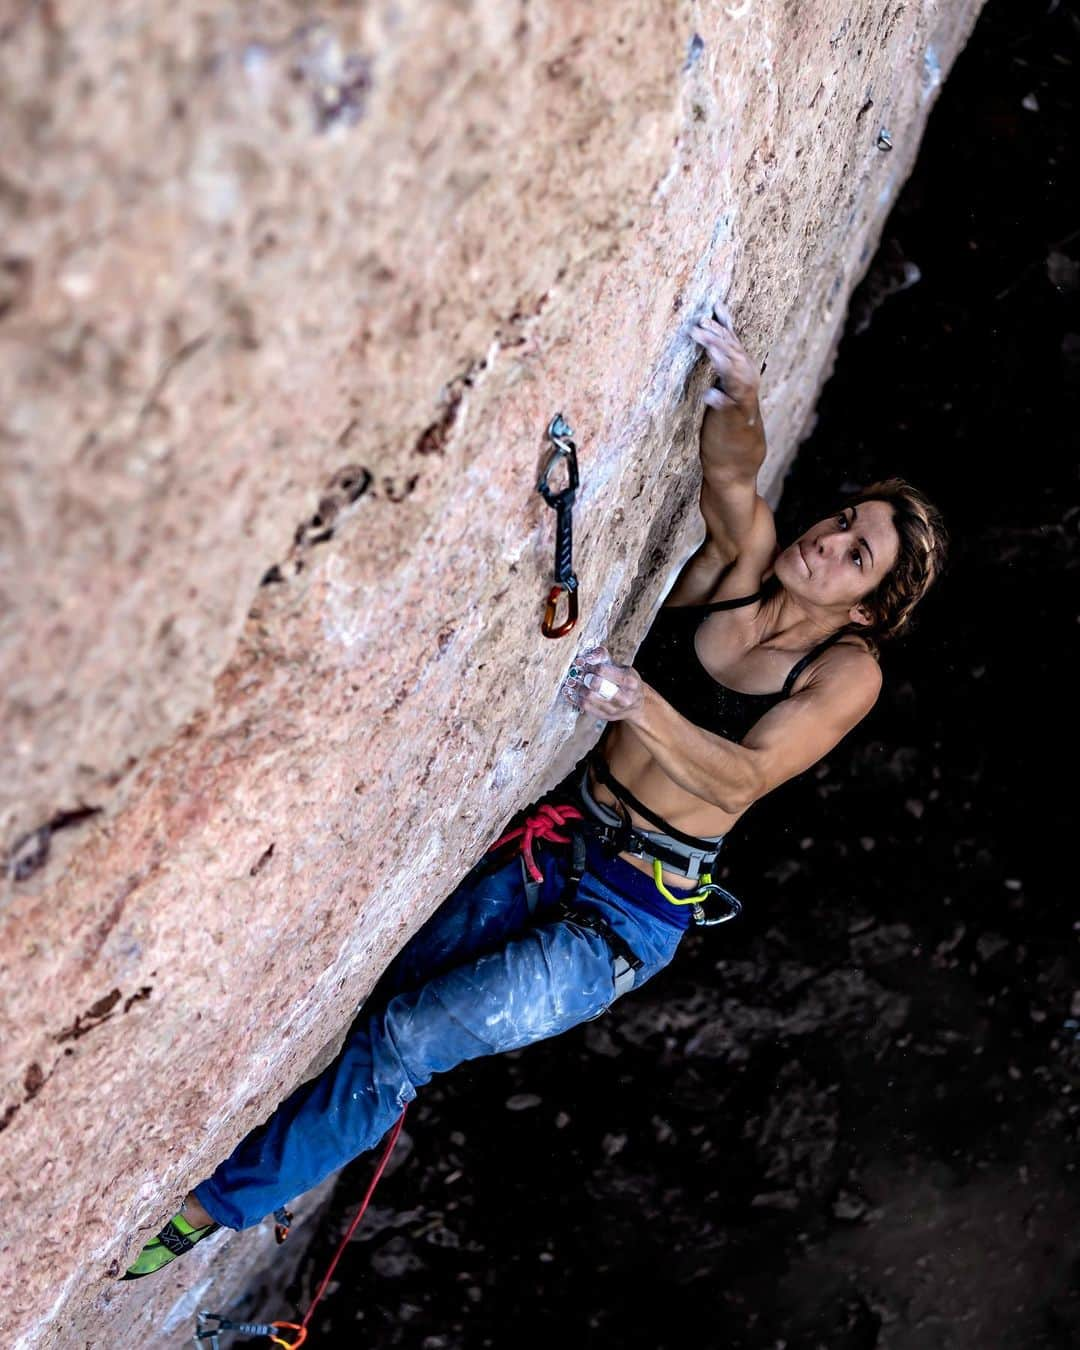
{"x":694,"y":899}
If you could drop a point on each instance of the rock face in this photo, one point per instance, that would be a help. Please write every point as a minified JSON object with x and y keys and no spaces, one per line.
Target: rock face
{"x":286,"y":303}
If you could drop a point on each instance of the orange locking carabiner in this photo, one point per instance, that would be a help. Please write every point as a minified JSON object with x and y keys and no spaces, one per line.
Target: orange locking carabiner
{"x":289,"y":1326}
{"x":549,"y":628}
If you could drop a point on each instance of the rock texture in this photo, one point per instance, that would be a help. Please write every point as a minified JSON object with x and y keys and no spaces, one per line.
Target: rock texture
{"x":287,"y":297}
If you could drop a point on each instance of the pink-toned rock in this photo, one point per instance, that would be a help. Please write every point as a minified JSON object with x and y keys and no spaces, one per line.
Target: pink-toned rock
{"x":292,"y":301}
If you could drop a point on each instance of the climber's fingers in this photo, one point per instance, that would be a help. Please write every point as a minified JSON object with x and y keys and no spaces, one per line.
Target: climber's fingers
{"x":722,"y":315}
{"x":584,"y":663}
{"x":721,"y":329}
{"x":592,"y":656}
{"x":604,"y":682}
{"x":736,"y":375}
{"x":720,"y":347}
{"x":608,"y":691}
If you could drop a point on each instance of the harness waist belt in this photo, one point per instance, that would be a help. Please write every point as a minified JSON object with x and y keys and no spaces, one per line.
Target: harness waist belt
{"x":683,"y":853}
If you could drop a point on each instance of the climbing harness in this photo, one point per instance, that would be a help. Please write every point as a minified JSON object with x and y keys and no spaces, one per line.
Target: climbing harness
{"x":560,"y":436}
{"x":686,"y":853}
{"x":544,"y":823}
{"x":212,"y":1334}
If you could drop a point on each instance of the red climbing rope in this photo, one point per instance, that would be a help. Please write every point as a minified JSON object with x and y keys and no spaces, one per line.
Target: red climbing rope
{"x":544,"y":823}
{"x":355,"y":1223}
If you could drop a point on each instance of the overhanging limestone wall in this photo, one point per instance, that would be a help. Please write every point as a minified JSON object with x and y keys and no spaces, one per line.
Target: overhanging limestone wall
{"x":256,"y":259}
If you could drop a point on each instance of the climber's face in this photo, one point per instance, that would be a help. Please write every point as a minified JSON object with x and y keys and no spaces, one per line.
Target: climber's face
{"x":841,"y":559}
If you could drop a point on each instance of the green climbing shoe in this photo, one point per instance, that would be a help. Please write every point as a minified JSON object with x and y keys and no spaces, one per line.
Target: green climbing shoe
{"x":176,"y":1238}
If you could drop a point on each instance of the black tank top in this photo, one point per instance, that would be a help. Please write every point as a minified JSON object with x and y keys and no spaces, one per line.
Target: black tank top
{"x":668,"y":660}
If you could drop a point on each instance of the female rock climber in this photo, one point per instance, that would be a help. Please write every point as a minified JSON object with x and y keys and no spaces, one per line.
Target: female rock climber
{"x":760,"y":661}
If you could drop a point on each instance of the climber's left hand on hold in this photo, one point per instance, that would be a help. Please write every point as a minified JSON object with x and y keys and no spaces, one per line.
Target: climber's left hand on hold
{"x":599,"y":687}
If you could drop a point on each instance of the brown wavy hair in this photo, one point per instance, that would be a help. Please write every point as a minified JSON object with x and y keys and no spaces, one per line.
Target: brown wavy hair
{"x":924,"y":546}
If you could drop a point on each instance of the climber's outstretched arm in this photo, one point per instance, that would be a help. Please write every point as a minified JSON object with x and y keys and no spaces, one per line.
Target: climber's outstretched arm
{"x":739,"y":528}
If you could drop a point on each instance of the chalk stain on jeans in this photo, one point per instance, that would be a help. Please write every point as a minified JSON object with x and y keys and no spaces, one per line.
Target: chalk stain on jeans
{"x":542,"y":982}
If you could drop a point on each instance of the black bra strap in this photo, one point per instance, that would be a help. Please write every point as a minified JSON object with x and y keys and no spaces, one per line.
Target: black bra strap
{"x":767,"y":587}
{"x":600,"y":768}
{"x":800,"y":665}
{"x":731,"y":604}
{"x":716,"y":605}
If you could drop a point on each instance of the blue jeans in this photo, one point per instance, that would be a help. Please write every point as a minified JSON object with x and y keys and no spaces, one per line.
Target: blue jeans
{"x":481,"y":976}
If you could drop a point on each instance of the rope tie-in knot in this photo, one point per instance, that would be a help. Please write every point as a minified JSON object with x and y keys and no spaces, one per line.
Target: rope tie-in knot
{"x":544,"y":824}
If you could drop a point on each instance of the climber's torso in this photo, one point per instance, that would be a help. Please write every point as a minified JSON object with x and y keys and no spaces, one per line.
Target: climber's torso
{"x":712,"y":655}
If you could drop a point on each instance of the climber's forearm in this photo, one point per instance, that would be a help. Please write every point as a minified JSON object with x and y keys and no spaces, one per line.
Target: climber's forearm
{"x":732,"y":433}
{"x":732,"y":443}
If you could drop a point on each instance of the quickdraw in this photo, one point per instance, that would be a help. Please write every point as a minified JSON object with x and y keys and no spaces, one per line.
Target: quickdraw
{"x":208,"y":1337}
{"x":560,"y":436}
{"x":212,"y":1334}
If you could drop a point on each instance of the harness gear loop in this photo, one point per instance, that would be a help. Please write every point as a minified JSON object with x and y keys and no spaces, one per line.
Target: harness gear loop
{"x":212,"y":1334}
{"x":689,"y":899}
{"x":560,"y":435}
